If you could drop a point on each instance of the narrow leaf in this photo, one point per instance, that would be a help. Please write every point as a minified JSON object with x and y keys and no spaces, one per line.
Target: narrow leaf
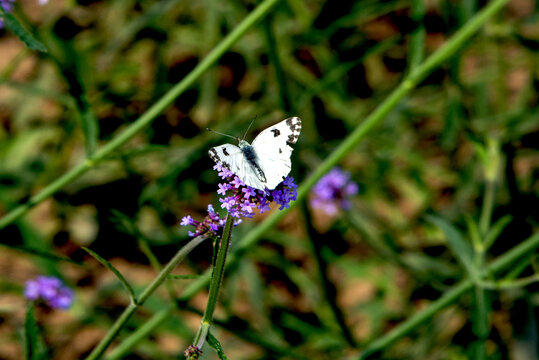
{"x":24,"y":35}
{"x":458,"y":245}
{"x":31,"y":334}
{"x":115,"y":271}
{"x":496,"y":229}
{"x":214,"y":343}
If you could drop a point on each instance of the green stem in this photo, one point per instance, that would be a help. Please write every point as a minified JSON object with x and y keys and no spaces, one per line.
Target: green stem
{"x":146,"y":118}
{"x":142,"y":332}
{"x":98,"y":351}
{"x":417,"y":36}
{"x":480,"y":323}
{"x":487,"y":208}
{"x":215,"y":284}
{"x":458,"y":40}
{"x":248,"y":334}
{"x":417,"y":319}
{"x":526,"y":248}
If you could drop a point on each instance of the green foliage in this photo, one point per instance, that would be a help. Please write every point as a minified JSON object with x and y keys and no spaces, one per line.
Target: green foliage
{"x":460,"y":247}
{"x":214,"y":343}
{"x":431,"y":107}
{"x":34,"y":346}
{"x":12,"y":23}
{"x":115,"y":271}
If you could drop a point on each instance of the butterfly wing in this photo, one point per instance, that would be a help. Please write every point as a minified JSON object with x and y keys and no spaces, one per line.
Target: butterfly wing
{"x":273,"y":151}
{"x":232,"y":158}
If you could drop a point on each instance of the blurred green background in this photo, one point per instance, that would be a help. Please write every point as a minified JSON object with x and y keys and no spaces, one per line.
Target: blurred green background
{"x":330,"y":63}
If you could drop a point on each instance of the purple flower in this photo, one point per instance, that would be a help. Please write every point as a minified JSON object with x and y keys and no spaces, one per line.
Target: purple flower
{"x":333,"y":191}
{"x":241,"y":202}
{"x":223,"y":188}
{"x":51,"y":290}
{"x":187,"y":220}
{"x":249,"y":191}
{"x":7,"y":5}
{"x":212,"y":223}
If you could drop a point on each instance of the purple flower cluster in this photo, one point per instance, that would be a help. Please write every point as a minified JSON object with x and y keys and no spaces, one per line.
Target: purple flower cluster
{"x":212,"y":223}
{"x":7,"y":5}
{"x":244,"y":199}
{"x":241,"y":201}
{"x":333,"y":191}
{"x":51,"y":290}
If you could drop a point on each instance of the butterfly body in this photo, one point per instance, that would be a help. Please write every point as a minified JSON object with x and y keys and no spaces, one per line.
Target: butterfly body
{"x":265,"y":163}
{"x":250,"y":156}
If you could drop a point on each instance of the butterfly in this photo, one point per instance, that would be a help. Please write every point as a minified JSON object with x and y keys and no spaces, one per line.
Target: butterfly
{"x":265,"y":163}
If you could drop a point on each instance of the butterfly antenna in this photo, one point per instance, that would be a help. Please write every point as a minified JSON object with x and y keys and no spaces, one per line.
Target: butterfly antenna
{"x":217,"y":132}
{"x":252,"y":121}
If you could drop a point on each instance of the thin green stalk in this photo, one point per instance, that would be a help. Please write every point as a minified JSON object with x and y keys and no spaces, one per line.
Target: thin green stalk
{"x":526,"y":248}
{"x":480,"y":323}
{"x":417,"y":36}
{"x":248,"y":335}
{"x":146,"y":118}
{"x":458,"y":40}
{"x":481,"y":302}
{"x":113,"y":332}
{"x":415,"y":320}
{"x":487,"y":208}
{"x":142,"y":332}
{"x":218,"y":272}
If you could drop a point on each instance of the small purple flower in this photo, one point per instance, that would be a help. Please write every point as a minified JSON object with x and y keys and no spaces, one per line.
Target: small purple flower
{"x":333,"y":191}
{"x":51,"y":290}
{"x":249,"y":191}
{"x":223,"y":188}
{"x":7,"y":5}
{"x":187,"y":220}
{"x":211,"y":224}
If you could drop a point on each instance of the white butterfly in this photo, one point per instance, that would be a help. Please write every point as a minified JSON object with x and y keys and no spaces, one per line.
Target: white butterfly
{"x":265,"y":163}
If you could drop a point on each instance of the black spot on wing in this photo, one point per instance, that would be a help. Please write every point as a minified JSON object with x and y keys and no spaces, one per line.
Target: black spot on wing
{"x":292,"y":138}
{"x":225,"y":152}
{"x":276,"y":132}
{"x":294,"y":123}
{"x":213,"y":155}
{"x":280,"y":151}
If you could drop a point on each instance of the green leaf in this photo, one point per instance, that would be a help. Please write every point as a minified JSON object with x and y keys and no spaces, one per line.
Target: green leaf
{"x":115,"y":271}
{"x":24,"y":35}
{"x":495,"y":230}
{"x":214,"y":343}
{"x":460,"y":247}
{"x":31,"y":334}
